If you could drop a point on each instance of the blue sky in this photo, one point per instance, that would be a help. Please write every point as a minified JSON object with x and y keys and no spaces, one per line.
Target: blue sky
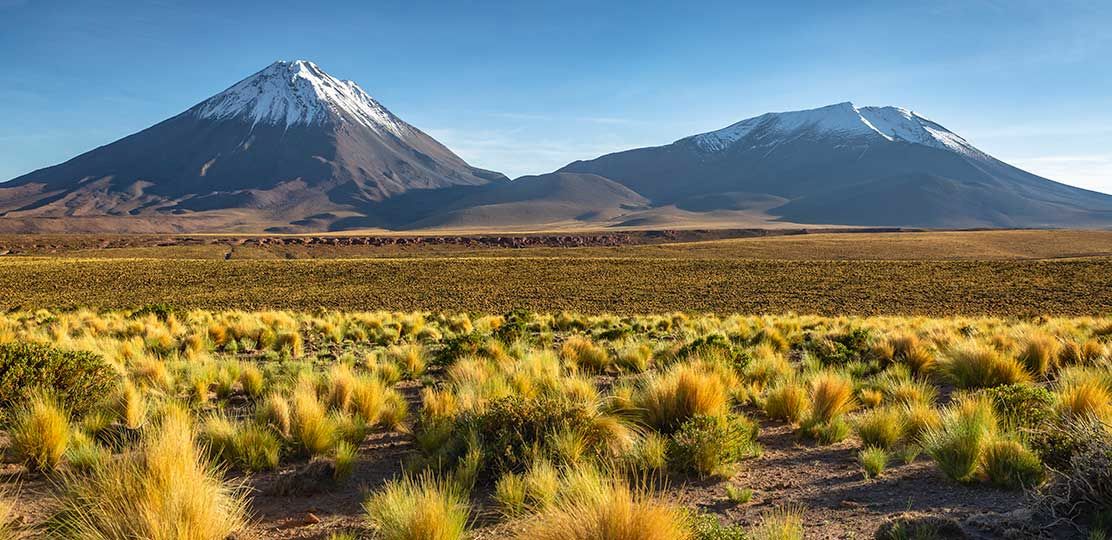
{"x":526,"y":87}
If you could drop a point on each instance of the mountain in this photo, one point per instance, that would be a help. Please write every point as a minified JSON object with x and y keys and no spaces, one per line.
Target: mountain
{"x":841,"y":164}
{"x":293,"y":149}
{"x":288,"y":148}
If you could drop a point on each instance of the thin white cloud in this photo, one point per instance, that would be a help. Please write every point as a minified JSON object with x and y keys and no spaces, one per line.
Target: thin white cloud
{"x":1093,"y":171}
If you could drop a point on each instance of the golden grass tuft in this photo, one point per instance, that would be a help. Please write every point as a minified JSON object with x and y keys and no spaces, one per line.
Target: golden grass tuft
{"x":418,"y":509}
{"x":132,"y":406}
{"x":958,"y":444}
{"x":789,"y":402}
{"x":1040,"y":353}
{"x":1078,"y":353}
{"x":668,"y":400}
{"x":40,"y":433}
{"x":1085,"y":397}
{"x":411,"y":358}
{"x":973,"y":364}
{"x":607,"y":508}
{"x":910,"y":350}
{"x":311,"y":427}
{"x":275,"y":412}
{"x":582,"y":353}
{"x":785,"y":523}
{"x":162,"y":491}
{"x":882,"y":428}
{"x":831,"y":396}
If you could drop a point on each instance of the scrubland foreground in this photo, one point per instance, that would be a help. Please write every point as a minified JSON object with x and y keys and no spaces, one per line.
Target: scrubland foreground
{"x":190,"y":424}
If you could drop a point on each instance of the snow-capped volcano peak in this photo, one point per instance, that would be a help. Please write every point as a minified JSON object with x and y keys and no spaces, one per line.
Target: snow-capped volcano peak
{"x":299,"y":92}
{"x":840,"y":120}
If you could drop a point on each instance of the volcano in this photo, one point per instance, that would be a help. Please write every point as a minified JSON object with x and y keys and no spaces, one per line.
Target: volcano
{"x":289,"y":148}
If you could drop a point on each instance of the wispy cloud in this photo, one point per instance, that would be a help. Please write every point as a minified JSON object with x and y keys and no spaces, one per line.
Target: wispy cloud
{"x":1089,"y":171}
{"x":1017,"y":131}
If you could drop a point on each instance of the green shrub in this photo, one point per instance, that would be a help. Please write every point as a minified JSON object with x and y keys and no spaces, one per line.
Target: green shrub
{"x":711,"y":445}
{"x":1021,"y":407}
{"x":854,"y":345}
{"x":76,"y":379}
{"x":457,"y":347}
{"x":707,"y":527}
{"x":510,"y":429}
{"x":738,"y":495}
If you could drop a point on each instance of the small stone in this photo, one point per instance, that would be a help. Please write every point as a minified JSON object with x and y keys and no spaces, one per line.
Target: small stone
{"x":311,"y":519}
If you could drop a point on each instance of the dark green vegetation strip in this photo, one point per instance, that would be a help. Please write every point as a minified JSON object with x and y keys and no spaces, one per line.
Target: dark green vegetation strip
{"x":941,"y":288}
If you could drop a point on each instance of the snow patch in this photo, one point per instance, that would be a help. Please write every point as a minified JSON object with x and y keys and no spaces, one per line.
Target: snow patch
{"x":841,"y":120}
{"x":299,"y":92}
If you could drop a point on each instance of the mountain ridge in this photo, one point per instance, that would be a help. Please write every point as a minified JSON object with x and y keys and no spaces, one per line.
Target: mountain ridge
{"x":293,"y":149}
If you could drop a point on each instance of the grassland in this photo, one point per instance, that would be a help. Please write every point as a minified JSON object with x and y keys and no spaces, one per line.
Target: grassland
{"x":620,"y":285}
{"x":1006,"y":273}
{"x":206,"y":425}
{"x":710,"y":244}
